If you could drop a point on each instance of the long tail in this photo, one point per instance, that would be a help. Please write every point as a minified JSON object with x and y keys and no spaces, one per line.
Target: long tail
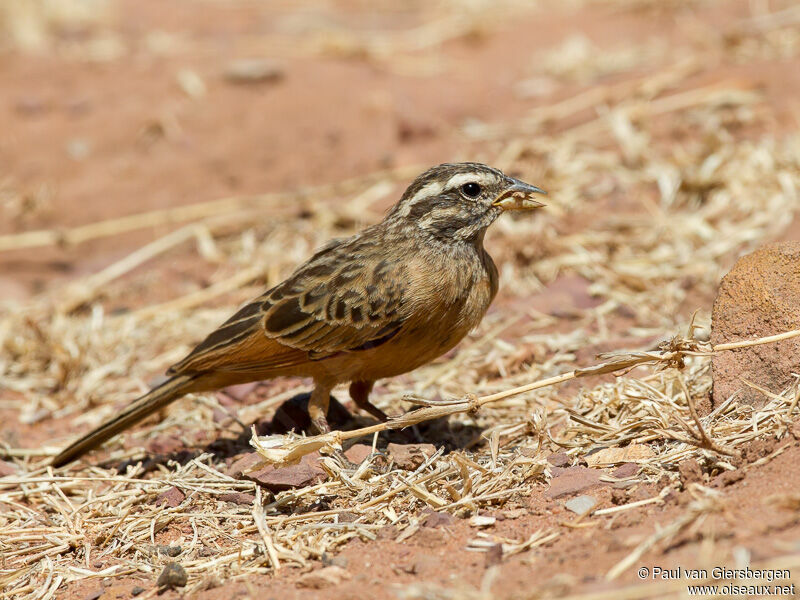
{"x":157,"y":398}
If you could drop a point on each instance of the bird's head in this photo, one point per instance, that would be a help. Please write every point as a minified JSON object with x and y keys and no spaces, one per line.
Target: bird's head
{"x":458,"y":201}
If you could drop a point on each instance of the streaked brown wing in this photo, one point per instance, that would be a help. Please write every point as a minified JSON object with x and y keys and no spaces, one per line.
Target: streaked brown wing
{"x":340,"y":300}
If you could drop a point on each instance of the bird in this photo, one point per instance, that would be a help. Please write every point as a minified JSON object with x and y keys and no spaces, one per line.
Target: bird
{"x":380,"y":303}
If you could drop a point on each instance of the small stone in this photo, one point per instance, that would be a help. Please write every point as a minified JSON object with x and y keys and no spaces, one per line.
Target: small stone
{"x":494,"y":555}
{"x":560,"y":459}
{"x":95,"y":594}
{"x":760,"y":296}
{"x":410,"y":456}
{"x":433,"y":518}
{"x":137,"y":590}
{"x":306,"y":472}
{"x":243,"y":463}
{"x":254,"y":70}
{"x":238,"y":498}
{"x":172,"y":497}
{"x":173,"y":575}
{"x":166,"y":550}
{"x":323,"y":578}
{"x":573,"y":480}
{"x":581,"y":505}
{"x":482,"y":521}
{"x":626,"y":470}
{"x":358,"y":453}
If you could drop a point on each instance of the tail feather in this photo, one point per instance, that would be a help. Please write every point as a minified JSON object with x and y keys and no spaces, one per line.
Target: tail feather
{"x":155,"y":399}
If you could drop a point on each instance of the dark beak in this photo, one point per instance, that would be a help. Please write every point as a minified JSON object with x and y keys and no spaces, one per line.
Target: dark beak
{"x":519,"y":196}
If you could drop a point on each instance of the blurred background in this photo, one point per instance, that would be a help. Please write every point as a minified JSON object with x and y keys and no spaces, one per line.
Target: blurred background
{"x":161,"y":162}
{"x":115,"y":107}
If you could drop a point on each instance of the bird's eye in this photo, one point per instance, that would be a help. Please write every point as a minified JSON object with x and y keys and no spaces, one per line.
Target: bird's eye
{"x":471,"y":190}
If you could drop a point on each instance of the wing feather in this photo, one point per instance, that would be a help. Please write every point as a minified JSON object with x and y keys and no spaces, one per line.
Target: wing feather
{"x":339,"y":301}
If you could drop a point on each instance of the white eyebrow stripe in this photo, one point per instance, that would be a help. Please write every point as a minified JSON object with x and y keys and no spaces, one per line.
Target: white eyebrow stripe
{"x":431,"y":189}
{"x":462,"y":178}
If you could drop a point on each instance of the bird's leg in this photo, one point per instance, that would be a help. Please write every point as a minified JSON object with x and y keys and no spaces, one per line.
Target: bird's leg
{"x":318,"y":407}
{"x":359,"y":392}
{"x":318,"y":411}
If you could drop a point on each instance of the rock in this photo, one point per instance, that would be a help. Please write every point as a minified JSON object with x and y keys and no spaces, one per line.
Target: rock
{"x":243,"y":463}
{"x":137,"y":590}
{"x":573,"y":480}
{"x":760,"y":296}
{"x":630,"y":453}
{"x":561,"y":459}
{"x":95,"y":594}
{"x":238,"y":498}
{"x":581,"y":505}
{"x":436,"y":519}
{"x":167,"y":550}
{"x":306,"y":472}
{"x":323,"y":578}
{"x":254,"y":70}
{"x":626,"y":470}
{"x":172,"y":497}
{"x":358,"y":453}
{"x":173,"y":575}
{"x":410,"y":456}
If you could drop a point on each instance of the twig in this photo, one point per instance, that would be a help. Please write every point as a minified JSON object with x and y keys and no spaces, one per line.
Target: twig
{"x":284,"y":450}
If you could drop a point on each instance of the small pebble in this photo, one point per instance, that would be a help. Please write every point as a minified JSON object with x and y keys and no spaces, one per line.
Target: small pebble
{"x":581,"y":505}
{"x":137,"y":590}
{"x":167,"y":550}
{"x":173,"y":575}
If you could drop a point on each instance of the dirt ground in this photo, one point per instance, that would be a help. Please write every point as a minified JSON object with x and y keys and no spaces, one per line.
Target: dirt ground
{"x":140,"y":106}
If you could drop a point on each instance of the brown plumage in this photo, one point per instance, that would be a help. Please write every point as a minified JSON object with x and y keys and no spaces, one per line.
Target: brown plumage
{"x":380,"y":303}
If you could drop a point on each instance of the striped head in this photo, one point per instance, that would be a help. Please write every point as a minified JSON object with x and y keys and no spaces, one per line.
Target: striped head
{"x":457,"y":201}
